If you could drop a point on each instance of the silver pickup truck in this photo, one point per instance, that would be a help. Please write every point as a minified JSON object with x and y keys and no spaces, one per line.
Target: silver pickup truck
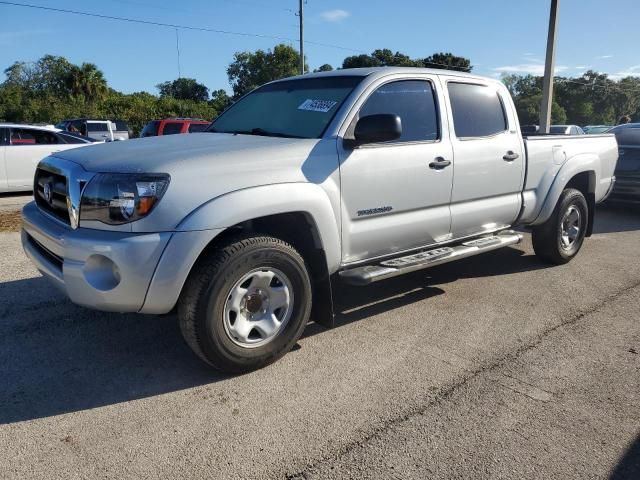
{"x":350,"y":176}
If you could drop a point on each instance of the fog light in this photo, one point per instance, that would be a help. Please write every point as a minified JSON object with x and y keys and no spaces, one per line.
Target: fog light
{"x":101,"y":273}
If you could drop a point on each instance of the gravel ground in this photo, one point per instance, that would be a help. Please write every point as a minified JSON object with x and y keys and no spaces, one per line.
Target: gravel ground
{"x":497,"y":366}
{"x":13,"y":202}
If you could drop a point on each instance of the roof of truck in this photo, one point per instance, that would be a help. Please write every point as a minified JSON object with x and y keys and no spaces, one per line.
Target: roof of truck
{"x":380,"y":71}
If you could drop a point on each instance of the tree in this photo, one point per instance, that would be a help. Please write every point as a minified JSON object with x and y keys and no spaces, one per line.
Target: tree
{"x":380,"y":58}
{"x":184,"y":89}
{"x":252,"y":69}
{"x":386,"y":58}
{"x":324,"y":68}
{"x":528,"y":109}
{"x":448,"y":61}
{"x":48,"y":74}
{"x":220,"y":101}
{"x":87,"y":82}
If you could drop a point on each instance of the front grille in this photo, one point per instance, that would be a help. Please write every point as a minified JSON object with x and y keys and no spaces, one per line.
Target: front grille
{"x":50,"y":193}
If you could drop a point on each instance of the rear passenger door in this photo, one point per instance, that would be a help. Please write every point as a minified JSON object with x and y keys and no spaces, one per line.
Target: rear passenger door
{"x":488,"y":157}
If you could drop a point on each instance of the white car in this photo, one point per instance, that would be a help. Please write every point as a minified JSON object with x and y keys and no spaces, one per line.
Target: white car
{"x":23,"y":146}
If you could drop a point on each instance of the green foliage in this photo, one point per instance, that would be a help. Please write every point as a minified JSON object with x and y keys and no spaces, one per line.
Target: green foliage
{"x":184,"y":89}
{"x":52,"y":89}
{"x":591,"y":99}
{"x":220,"y":101}
{"x":252,"y":69}
{"x":386,"y":58}
{"x":324,"y":68}
{"x":448,"y":61}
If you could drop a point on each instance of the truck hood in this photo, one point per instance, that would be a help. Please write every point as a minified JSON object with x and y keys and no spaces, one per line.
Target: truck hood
{"x":173,"y":153}
{"x":204,"y":166}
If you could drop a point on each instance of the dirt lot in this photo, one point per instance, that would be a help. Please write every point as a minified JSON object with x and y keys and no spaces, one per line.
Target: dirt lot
{"x":496,"y":367}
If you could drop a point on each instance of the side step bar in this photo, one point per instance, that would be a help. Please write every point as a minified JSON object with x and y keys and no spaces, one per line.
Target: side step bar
{"x":429,"y":258}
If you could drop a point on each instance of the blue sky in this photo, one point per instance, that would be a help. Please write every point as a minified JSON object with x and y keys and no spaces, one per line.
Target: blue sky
{"x":500,"y":36}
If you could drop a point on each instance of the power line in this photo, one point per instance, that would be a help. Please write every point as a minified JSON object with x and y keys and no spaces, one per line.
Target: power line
{"x":201,"y":29}
{"x":162,"y":24}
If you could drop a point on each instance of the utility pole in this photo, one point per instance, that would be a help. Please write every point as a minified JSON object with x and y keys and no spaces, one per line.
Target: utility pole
{"x":301,"y":15}
{"x":549,"y":69}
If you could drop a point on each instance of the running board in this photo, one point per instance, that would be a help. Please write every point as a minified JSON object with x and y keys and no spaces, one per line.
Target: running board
{"x":429,"y":258}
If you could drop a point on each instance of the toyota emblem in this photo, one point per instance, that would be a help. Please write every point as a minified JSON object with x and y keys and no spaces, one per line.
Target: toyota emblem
{"x":48,"y":193}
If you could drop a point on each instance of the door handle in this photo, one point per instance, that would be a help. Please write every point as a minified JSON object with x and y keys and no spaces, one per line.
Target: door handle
{"x":510,"y":156}
{"x":439,"y":163}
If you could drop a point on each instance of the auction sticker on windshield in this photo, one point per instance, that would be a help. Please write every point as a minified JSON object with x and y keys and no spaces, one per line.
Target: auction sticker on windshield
{"x":317,"y":105}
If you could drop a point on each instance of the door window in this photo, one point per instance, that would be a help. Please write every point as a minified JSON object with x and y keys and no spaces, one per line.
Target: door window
{"x":198,"y":127}
{"x":25,"y":136}
{"x":97,"y":127}
{"x":477,"y":110}
{"x":172,"y":128}
{"x":150,"y":129}
{"x":414,"y":102}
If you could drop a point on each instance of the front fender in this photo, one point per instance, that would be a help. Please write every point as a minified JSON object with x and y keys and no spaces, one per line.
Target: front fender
{"x":242,"y":205}
{"x":589,"y":163}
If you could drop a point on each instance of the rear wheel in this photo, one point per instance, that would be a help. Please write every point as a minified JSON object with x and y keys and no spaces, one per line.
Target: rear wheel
{"x":246,"y":304}
{"x":560,"y":238}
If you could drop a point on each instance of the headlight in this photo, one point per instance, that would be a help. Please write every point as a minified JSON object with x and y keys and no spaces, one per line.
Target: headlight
{"x":116,"y":198}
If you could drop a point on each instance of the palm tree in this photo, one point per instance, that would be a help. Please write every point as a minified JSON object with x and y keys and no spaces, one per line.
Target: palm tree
{"x":89,"y":82}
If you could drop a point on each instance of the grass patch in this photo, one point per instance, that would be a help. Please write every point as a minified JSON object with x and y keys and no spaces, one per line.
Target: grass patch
{"x":10,"y":221}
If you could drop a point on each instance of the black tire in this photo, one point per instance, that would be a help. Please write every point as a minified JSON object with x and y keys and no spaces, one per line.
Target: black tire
{"x":548,"y":237}
{"x":201,"y":308}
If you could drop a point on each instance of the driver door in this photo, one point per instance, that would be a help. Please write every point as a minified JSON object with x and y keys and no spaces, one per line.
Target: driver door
{"x":394,"y":196}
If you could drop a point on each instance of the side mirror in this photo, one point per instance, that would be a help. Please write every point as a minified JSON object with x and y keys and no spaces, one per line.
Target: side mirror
{"x":382,"y":127}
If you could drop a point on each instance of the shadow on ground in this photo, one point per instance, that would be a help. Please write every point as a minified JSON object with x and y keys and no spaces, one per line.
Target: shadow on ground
{"x":629,"y":465}
{"x":616,"y":217}
{"x":57,"y":358}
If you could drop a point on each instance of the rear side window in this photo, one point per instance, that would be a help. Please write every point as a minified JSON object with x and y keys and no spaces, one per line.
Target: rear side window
{"x":150,"y":129}
{"x":121,"y":126}
{"x":172,"y":128}
{"x":97,"y":127}
{"x":198,"y":127}
{"x":25,"y":136}
{"x":477,"y":110}
{"x":413,"y":101}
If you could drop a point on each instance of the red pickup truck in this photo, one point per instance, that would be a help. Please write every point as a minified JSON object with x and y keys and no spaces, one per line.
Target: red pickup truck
{"x":172,"y":126}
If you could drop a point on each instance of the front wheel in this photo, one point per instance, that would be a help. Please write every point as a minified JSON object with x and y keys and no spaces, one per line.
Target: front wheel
{"x":560,"y":238}
{"x":246,"y":303}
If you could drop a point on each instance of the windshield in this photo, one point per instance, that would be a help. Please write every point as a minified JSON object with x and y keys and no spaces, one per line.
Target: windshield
{"x":294,"y":108}
{"x":594,"y":130}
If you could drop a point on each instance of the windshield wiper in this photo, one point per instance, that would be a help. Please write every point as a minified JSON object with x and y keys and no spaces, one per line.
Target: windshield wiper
{"x":263,"y":133}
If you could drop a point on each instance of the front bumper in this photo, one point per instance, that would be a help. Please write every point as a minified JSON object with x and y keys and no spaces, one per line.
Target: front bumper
{"x":99,"y":269}
{"x":113,"y":271}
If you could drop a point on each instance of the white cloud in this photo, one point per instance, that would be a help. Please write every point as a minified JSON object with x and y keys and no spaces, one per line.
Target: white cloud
{"x":632,"y":71}
{"x":603,"y":57}
{"x":531,"y":68}
{"x":336,"y":15}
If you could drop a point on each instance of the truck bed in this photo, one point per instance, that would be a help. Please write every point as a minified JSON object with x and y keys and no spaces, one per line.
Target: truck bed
{"x":550,"y":157}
